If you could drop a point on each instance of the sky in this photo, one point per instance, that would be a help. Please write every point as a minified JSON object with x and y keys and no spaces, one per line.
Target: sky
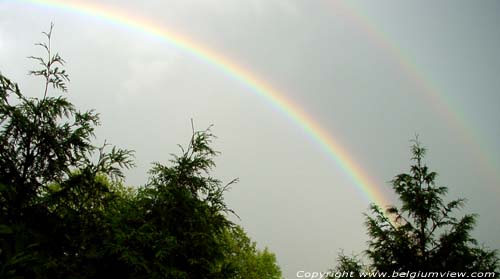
{"x":370,"y":74}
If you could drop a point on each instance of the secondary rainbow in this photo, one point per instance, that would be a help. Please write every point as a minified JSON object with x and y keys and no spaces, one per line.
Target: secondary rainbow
{"x":257,"y":86}
{"x":441,"y":103}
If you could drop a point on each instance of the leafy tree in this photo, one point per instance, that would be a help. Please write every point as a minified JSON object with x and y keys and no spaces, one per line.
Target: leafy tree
{"x":424,"y":233}
{"x":175,"y":224}
{"x":65,"y":213}
{"x":244,"y":260}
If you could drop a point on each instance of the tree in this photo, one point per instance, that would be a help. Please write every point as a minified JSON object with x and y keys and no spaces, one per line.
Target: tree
{"x":46,"y":142}
{"x":348,"y":267}
{"x":176,"y":222}
{"x":424,"y":233}
{"x":244,"y":260}
{"x":65,"y":213}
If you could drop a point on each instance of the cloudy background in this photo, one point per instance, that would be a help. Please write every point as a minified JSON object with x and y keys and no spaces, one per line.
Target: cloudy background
{"x":372,"y":74}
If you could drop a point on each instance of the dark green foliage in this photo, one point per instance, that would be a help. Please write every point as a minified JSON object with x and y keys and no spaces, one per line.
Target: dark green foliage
{"x":50,"y":71}
{"x":424,"y":233}
{"x":50,"y":197}
{"x":178,"y":222}
{"x":64,"y":212}
{"x":348,"y":267}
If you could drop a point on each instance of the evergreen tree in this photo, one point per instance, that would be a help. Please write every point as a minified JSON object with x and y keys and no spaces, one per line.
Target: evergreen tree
{"x":50,"y":196}
{"x":424,"y":233}
{"x":65,"y":213}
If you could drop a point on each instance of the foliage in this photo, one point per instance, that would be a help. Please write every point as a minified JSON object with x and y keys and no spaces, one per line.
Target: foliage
{"x":65,"y":213}
{"x":423,"y":234}
{"x":176,"y":221}
{"x":244,"y":260}
{"x":348,"y":267}
{"x":52,"y":200}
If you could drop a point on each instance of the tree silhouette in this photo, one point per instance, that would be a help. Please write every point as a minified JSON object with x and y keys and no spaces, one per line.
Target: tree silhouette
{"x":424,"y":233}
{"x":65,"y":213}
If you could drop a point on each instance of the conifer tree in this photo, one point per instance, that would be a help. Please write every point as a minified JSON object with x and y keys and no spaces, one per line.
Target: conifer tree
{"x":65,"y":213}
{"x":425,"y":232}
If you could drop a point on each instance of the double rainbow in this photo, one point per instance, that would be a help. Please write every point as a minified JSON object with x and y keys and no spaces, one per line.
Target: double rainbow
{"x":258,"y":86}
{"x":441,"y":103}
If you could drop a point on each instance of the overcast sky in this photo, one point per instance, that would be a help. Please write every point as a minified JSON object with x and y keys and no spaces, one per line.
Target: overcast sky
{"x":371,"y":73}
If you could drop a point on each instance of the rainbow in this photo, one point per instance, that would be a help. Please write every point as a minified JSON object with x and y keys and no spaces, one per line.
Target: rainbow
{"x":258,"y":86}
{"x":440,"y":102}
